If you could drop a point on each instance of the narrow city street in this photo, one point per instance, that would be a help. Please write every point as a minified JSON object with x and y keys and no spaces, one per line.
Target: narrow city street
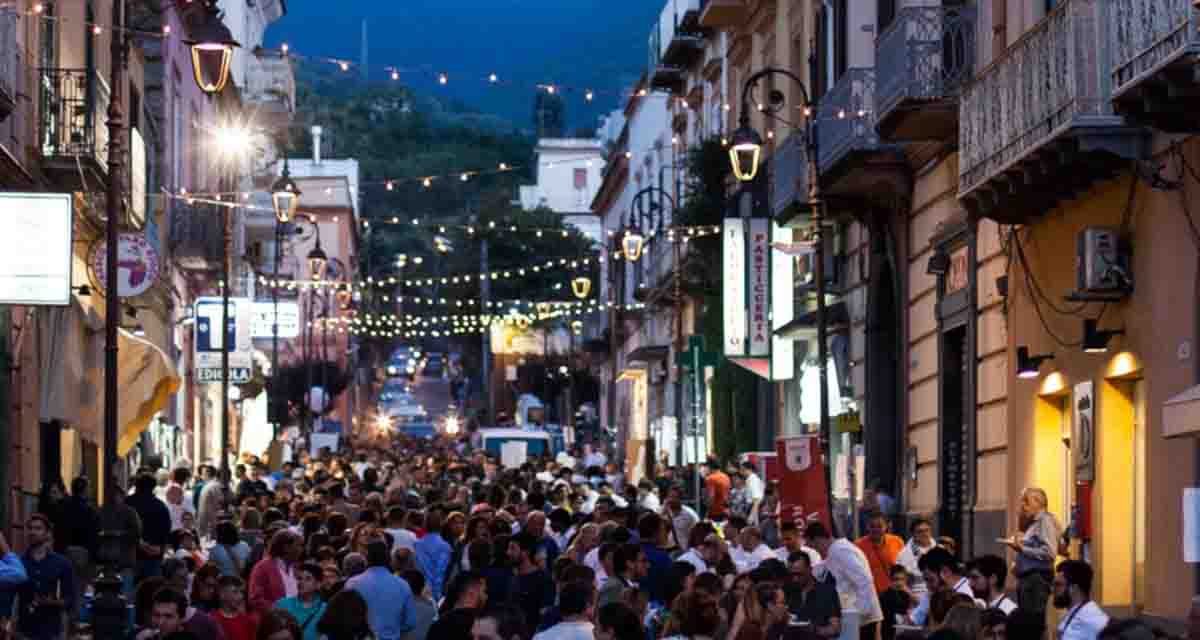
{"x":599,"y":320}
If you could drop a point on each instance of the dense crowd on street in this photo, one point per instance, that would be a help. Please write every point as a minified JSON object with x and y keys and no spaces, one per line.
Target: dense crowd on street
{"x":394,"y":539}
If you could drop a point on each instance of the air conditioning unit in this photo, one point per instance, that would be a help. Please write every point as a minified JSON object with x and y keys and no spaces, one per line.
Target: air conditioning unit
{"x":1100,"y":265}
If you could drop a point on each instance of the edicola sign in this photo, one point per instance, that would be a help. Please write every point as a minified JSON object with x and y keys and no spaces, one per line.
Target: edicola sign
{"x":209,"y":340}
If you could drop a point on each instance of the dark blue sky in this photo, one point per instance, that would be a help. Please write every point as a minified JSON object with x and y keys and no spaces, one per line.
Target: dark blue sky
{"x":585,"y":43}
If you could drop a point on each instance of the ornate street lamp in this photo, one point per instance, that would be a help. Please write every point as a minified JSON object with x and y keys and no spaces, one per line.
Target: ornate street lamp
{"x":581,"y":286}
{"x":745,"y":150}
{"x":317,"y":260}
{"x":285,"y":195}
{"x":633,"y":241}
{"x":344,"y":295}
{"x":212,"y":50}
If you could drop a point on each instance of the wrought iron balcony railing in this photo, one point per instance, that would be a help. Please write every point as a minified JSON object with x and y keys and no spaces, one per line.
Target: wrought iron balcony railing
{"x":922,"y":61}
{"x":9,"y":61}
{"x":1148,"y":34}
{"x":73,"y":112}
{"x":1051,"y":82}
{"x":1155,"y":45}
{"x":197,"y":237}
{"x":847,"y":118}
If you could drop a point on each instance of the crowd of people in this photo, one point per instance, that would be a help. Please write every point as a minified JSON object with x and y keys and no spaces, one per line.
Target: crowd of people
{"x":400,"y":539}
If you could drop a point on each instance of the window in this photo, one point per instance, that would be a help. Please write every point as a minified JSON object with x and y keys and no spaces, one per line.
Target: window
{"x":841,"y":34}
{"x":885,"y":14}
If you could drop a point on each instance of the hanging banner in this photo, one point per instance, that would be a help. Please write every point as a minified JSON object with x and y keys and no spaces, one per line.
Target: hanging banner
{"x":760,"y":288}
{"x":803,"y":492}
{"x":758,"y":296}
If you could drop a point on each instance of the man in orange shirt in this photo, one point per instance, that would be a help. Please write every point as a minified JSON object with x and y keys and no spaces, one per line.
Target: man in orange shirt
{"x":881,"y":549}
{"x":716,"y":489}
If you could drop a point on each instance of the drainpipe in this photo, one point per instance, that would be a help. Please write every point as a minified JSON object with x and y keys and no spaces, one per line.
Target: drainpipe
{"x":7,"y":408}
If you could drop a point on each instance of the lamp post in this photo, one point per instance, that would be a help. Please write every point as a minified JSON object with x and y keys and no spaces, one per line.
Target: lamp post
{"x":745,"y":152}
{"x":212,"y":48}
{"x":638,"y":199}
{"x":317,"y":261}
{"x":285,"y":196}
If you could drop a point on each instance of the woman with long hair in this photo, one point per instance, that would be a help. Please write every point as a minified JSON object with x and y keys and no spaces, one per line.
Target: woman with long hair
{"x":762,"y":609}
{"x":345,"y":618}
{"x":694,"y":616}
{"x":965,"y":619}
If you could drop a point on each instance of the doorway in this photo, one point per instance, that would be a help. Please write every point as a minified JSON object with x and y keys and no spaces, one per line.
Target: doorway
{"x":1121,"y":496}
{"x":883,"y":353}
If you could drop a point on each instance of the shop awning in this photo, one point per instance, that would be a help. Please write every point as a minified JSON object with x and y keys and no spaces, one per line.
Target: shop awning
{"x":649,"y":354}
{"x":146,"y":381}
{"x":1181,"y":413}
{"x":804,"y":327}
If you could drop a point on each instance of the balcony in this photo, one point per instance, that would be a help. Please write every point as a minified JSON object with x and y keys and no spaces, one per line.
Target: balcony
{"x":9,"y":61}
{"x":857,"y":171}
{"x":1156,"y":46}
{"x":73,"y":126}
{"x":196,"y":235}
{"x":676,"y":43}
{"x":715,"y":14}
{"x":923,"y":59}
{"x":271,"y":90}
{"x":1037,"y":126}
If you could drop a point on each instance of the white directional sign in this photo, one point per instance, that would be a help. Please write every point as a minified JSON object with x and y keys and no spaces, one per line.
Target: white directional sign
{"x":210,"y":341}
{"x":263,"y":313}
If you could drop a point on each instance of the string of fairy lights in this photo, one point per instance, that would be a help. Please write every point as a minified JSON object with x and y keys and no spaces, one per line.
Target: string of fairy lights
{"x":443,"y":77}
{"x":392,"y":325}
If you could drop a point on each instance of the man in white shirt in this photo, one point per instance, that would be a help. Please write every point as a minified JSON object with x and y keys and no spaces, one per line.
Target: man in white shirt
{"x":750,"y":552}
{"x":986,"y":575}
{"x":755,"y":489}
{"x":855,"y":584}
{"x":576,"y":604}
{"x":1084,"y":619}
{"x":918,"y":545}
{"x":648,"y":496}
{"x":682,"y":518}
{"x":703,"y":556}
{"x":402,"y":538}
{"x":942,"y":572}
{"x":793,"y":540}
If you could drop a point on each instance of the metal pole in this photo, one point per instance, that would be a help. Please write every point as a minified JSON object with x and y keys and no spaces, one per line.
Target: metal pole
{"x":226,"y":252}
{"x":7,"y":366}
{"x":697,"y":380}
{"x":815,"y":201}
{"x":275,"y":324}
{"x":485,"y":293}
{"x":679,"y":428}
{"x":112,"y":307}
